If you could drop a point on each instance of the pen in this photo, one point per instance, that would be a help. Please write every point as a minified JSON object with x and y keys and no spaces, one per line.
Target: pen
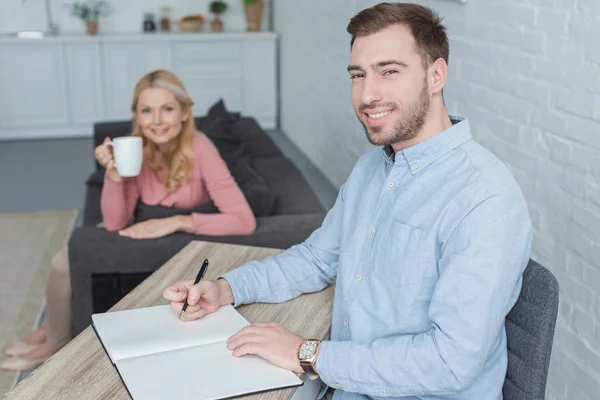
{"x":198,"y":277}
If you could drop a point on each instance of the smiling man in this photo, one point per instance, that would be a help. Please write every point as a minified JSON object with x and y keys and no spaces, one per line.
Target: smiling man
{"x":427,"y":240}
{"x":398,"y":72}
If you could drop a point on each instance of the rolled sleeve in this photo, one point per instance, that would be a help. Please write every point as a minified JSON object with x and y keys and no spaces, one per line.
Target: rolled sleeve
{"x":241,"y":292}
{"x":304,"y":268}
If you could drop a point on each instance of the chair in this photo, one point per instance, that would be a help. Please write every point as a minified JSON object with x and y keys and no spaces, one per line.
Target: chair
{"x":530,"y":332}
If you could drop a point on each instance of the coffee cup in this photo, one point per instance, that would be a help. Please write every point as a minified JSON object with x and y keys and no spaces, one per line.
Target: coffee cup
{"x":128,"y":155}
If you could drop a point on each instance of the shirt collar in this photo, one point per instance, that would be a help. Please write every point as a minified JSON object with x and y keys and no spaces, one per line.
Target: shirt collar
{"x":419,"y":156}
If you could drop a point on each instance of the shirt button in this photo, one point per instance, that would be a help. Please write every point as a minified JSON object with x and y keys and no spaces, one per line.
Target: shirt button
{"x":359,"y":278}
{"x":372,"y":230}
{"x":345,"y":323}
{"x":390,"y":184}
{"x":337,"y":386}
{"x":382,"y":392}
{"x":415,"y":166}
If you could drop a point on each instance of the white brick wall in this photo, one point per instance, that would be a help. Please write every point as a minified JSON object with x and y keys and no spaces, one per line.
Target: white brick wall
{"x":526,"y":74}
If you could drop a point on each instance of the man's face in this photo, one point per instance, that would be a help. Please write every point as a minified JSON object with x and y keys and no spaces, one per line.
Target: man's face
{"x":389,"y":85}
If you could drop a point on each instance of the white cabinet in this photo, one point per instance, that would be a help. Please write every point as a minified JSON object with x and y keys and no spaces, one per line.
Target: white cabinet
{"x":124,"y":64}
{"x":210,"y":71}
{"x":32,"y":85}
{"x":242,"y":72}
{"x":59,"y":87}
{"x":259,"y":86}
{"x":84,"y":82}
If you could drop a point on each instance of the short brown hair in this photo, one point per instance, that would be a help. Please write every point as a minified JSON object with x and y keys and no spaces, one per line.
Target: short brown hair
{"x":431,"y":41}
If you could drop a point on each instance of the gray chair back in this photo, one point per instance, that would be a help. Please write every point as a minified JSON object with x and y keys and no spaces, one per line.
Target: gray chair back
{"x":530,"y":332}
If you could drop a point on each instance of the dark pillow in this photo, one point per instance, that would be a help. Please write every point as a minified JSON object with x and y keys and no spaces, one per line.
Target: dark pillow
{"x":219,"y":110}
{"x":232,"y":148}
{"x":144,"y":212}
{"x":257,"y":142}
{"x":229,"y":144}
{"x":262,"y":200}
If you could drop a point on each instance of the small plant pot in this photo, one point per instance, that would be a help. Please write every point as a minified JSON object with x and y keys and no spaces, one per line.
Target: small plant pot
{"x":92,"y":27}
{"x":254,"y":15}
{"x":216,"y":25}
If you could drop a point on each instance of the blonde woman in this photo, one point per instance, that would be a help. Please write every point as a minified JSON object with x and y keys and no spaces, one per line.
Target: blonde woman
{"x":181,"y":169}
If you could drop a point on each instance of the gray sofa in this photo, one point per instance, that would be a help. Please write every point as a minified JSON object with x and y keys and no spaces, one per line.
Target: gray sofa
{"x":105,"y":266}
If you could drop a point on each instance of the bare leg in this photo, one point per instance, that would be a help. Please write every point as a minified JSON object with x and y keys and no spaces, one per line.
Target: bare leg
{"x":58,"y":300}
{"x":30,"y":342}
{"x":37,"y":336}
{"x":57,"y":327}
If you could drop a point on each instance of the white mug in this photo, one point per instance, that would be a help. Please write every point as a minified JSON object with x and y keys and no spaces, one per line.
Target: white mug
{"x":128,"y":155}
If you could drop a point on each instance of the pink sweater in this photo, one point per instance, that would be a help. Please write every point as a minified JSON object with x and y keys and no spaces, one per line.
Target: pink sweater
{"x":210,"y":179}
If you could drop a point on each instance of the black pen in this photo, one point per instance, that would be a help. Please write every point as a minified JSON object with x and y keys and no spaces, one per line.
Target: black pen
{"x":198,"y":277}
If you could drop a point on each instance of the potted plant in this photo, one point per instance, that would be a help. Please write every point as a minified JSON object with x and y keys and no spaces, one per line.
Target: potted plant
{"x":254,"y":13}
{"x":217,"y":8}
{"x":90,"y":12}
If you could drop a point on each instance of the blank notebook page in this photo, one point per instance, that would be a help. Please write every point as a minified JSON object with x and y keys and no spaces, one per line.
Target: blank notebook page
{"x":144,"y":331}
{"x":205,"y":372}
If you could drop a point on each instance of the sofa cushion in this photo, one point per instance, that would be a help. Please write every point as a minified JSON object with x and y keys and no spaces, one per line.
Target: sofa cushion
{"x":91,"y":212}
{"x":219,"y":110}
{"x":260,"y":197}
{"x":111,"y":129}
{"x":256,"y":140}
{"x":294,"y":194}
{"x":239,"y":130}
{"x":233,"y":150}
{"x":230,"y":144}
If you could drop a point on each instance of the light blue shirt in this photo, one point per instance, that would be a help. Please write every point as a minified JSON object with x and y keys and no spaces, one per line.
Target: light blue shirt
{"x":427,"y":250}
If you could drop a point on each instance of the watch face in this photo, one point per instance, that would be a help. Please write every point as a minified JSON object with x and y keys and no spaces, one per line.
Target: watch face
{"x":307,"y":350}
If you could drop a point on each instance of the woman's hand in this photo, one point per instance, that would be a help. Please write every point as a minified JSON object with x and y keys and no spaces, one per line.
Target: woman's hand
{"x":104,"y":156}
{"x":156,"y":228}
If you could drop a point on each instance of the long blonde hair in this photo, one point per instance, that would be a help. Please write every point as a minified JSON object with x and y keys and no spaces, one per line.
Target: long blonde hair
{"x":180,"y":161}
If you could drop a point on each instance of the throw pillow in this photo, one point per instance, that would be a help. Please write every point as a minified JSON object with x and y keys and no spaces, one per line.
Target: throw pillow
{"x":219,"y":110}
{"x":230,"y":144}
{"x":262,"y":200}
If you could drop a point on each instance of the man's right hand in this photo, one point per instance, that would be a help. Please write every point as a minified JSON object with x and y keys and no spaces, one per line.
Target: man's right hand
{"x":204,"y":298}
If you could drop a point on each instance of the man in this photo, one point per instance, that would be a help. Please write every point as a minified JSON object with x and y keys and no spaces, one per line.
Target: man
{"x":427,"y":240}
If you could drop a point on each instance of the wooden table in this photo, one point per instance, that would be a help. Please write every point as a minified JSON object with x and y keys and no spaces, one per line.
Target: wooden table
{"x":82,"y":370}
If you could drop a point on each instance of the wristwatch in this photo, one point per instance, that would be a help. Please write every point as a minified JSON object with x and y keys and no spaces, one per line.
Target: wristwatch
{"x":307,"y":354}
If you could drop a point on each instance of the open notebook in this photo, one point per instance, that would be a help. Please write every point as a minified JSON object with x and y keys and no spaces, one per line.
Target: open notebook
{"x":160,"y":357}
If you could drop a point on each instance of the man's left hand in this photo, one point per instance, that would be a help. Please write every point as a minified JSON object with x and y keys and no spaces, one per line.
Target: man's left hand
{"x":269,"y":341}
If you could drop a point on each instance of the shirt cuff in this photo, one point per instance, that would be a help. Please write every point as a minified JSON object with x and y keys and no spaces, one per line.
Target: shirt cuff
{"x":332,"y":363}
{"x":241,"y":294}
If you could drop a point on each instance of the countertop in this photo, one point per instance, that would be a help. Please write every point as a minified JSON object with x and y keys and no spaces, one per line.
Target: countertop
{"x":140,"y":36}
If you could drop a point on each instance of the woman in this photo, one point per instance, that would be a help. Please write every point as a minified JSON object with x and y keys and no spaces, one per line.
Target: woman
{"x":181,"y":169}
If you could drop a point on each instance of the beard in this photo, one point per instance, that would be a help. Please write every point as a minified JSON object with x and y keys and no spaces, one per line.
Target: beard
{"x":405,"y":128}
